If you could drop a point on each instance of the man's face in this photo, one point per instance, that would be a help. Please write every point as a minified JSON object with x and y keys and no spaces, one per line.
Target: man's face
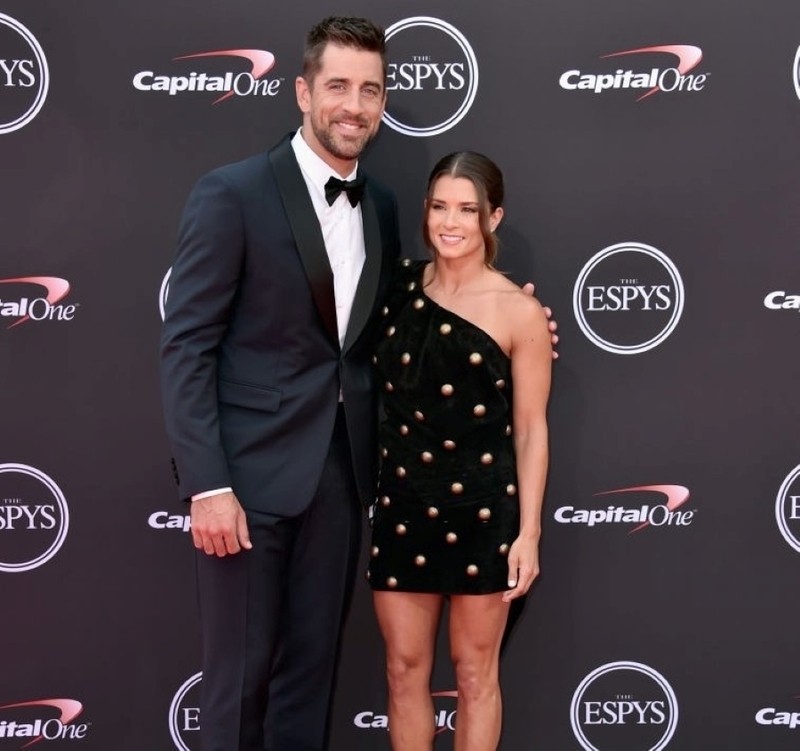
{"x":343,"y":105}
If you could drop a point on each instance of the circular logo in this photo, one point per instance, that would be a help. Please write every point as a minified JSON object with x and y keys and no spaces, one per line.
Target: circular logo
{"x":24,"y":76}
{"x":184,"y":715}
{"x":787,"y":509}
{"x":628,"y":298}
{"x":34,"y":518}
{"x":796,"y":72}
{"x":624,"y":705}
{"x":432,"y":76}
{"x":163,"y":293}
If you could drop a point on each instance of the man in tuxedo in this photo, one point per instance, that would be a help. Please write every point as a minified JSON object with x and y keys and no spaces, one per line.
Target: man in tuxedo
{"x":269,"y":400}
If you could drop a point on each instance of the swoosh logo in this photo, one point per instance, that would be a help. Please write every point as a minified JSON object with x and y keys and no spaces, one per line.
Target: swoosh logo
{"x":69,"y":709}
{"x":676,"y":495}
{"x":57,"y":289}
{"x":688,"y":55}
{"x":261,"y":63}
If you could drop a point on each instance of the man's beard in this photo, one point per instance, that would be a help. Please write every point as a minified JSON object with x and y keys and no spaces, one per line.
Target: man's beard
{"x":337,"y":146}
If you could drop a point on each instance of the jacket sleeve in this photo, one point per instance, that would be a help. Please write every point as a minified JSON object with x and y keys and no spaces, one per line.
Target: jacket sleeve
{"x":203,"y":284}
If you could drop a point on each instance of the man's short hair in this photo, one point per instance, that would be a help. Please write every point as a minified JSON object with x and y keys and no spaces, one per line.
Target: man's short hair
{"x":344,"y":31}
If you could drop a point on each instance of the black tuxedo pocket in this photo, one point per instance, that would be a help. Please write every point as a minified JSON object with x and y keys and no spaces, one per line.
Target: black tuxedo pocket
{"x":248,"y":395}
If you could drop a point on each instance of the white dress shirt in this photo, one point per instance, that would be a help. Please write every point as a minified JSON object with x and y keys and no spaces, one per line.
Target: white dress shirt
{"x":343,"y":233}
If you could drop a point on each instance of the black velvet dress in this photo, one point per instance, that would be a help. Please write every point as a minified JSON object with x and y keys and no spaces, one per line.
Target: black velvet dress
{"x":447,"y":509}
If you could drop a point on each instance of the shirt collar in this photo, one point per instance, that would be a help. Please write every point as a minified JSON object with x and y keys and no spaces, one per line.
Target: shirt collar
{"x":314,"y":167}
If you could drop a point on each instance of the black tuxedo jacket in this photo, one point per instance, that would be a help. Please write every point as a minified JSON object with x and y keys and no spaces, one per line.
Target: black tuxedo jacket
{"x":251,"y":365}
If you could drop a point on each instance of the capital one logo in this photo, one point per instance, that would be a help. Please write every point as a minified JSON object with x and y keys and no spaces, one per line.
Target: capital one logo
{"x":27,"y":723}
{"x":432,"y":76}
{"x":223,"y":83}
{"x":628,"y":298}
{"x":624,"y":705}
{"x":163,"y":293}
{"x":24,"y":75}
{"x":780,"y":300}
{"x":444,"y":715}
{"x":777,"y":718}
{"x":34,"y":518}
{"x":34,"y":298}
{"x":184,"y":715}
{"x":634,"y":506}
{"x":685,"y":57}
{"x":787,"y":509}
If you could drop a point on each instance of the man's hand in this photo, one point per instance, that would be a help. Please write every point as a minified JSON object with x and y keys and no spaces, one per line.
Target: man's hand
{"x":552,"y":324}
{"x":219,"y":525}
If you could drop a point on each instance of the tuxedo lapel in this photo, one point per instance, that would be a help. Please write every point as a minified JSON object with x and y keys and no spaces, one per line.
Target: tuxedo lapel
{"x":306,"y":231}
{"x":370,"y":274}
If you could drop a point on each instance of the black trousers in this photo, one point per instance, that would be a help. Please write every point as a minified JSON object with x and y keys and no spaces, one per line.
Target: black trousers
{"x":271,"y":619}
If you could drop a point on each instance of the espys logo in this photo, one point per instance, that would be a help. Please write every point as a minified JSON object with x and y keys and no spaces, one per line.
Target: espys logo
{"x":34,"y":518}
{"x":628,"y":298}
{"x":640,"y":511}
{"x":24,"y":75}
{"x":780,"y":300}
{"x":226,"y":83}
{"x":432,"y":76}
{"x":163,"y":294}
{"x":444,"y":714}
{"x":29,"y":722}
{"x":184,"y":715}
{"x":776,"y":718}
{"x":19,"y":303}
{"x":796,"y":72}
{"x":165,"y":520}
{"x":624,"y":705}
{"x":675,"y":78}
{"x":787,"y":509}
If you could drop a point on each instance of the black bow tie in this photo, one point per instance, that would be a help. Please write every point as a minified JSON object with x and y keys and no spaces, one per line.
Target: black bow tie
{"x":353,"y":188}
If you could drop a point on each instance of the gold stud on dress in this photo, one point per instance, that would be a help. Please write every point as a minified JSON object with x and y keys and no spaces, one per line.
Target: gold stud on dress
{"x":400,"y":529}
{"x":385,"y":500}
{"x":503,"y":549}
{"x":485,"y":514}
{"x":433,"y":512}
{"x":420,"y":560}
{"x":500,"y":383}
{"x":475,"y":358}
{"x":445,"y":329}
{"x":449,"y":445}
{"x":391,"y":582}
{"x":426,"y":457}
{"x":479,"y":410}
{"x":451,"y":538}
{"x":456,"y":488}
{"x":390,"y":331}
{"x":487,"y":458}
{"x":447,"y":389}
{"x":472,"y":570}
{"x":375,"y":550}
{"x":511,"y":489}
{"x":405,"y":358}
{"x":404,"y":430}
{"x":384,"y":311}
{"x":411,"y":286}
{"x":389,"y":386}
{"x":419,"y":304}
{"x":419,"y":416}
{"x":400,"y":471}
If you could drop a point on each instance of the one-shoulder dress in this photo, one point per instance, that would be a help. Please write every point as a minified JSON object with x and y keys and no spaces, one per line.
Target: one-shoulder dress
{"x":447,"y":508}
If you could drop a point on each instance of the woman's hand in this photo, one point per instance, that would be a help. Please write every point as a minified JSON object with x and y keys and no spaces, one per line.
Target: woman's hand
{"x":523,"y":567}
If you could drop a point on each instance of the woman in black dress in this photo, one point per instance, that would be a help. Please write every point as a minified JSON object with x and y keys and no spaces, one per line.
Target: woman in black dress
{"x":465,"y":364}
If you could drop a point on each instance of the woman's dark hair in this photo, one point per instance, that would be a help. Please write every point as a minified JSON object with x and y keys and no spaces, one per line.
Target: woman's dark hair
{"x":487,"y":178}
{"x":343,"y":31}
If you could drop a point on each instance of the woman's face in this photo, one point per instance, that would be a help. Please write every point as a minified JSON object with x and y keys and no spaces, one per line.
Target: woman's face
{"x":453,"y":219}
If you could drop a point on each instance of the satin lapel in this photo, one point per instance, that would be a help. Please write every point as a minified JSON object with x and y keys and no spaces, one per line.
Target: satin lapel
{"x":368,"y":282}
{"x":307,"y":233}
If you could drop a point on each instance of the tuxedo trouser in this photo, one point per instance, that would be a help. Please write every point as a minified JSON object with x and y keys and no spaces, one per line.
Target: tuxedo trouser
{"x":271,"y":619}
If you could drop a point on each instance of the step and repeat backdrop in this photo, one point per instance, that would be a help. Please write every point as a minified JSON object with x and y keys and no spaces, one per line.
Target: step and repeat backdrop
{"x":651,"y":156}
